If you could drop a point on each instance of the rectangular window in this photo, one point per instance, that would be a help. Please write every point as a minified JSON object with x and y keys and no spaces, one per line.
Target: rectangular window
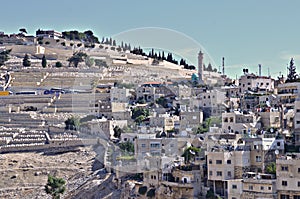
{"x":262,"y":188}
{"x":284,"y":183}
{"x":298,"y":170}
{"x":258,"y":158}
{"x":218,"y":161}
{"x":278,"y":143}
{"x":229,"y":173}
{"x":296,"y":197}
{"x":210,"y":173}
{"x":284,"y":168}
{"x":282,"y":196}
{"x":298,"y":183}
{"x":210,"y":161}
{"x":143,"y":145}
{"x":234,"y":186}
{"x":219,"y":173}
{"x":250,"y":187}
{"x":154,"y":145}
{"x":228,"y":161}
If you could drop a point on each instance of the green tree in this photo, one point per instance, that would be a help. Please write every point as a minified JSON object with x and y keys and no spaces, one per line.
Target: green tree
{"x":271,"y":168}
{"x":139,"y":114}
{"x":190,"y":153}
{"x":89,"y":61}
{"x":72,"y":123}
{"x":117,"y":132}
{"x":55,"y":186}
{"x":4,"y":56}
{"x":23,"y":30}
{"x":292,"y":76}
{"x":77,"y":58}
{"x":162,"y":101}
{"x":58,"y":64}
{"x":209,"y":67}
{"x":44,"y":61}
{"x":127,"y":147}
{"x":26,"y":61}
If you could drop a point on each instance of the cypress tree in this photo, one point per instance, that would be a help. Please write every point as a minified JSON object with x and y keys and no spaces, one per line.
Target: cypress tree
{"x":44,"y":62}
{"x":26,"y":61}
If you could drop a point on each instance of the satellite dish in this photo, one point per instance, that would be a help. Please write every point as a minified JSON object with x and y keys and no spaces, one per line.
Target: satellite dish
{"x":213,"y":138}
{"x":276,"y":152}
{"x":192,"y":152}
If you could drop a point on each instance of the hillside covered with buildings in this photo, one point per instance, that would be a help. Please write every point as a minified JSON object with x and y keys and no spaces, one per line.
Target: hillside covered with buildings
{"x":115,"y":122}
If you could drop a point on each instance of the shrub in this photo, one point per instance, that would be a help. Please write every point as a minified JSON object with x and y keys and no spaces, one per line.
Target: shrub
{"x":143,"y":190}
{"x":79,"y":44}
{"x":151,"y":193}
{"x":47,"y":42}
{"x":63,"y":43}
{"x":58,"y":64}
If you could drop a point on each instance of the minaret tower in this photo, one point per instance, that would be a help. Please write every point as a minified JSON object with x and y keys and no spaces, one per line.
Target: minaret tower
{"x":200,"y":67}
{"x":223,"y":66}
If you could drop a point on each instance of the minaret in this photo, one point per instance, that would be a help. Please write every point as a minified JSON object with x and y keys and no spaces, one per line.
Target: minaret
{"x":200,"y":67}
{"x":223,"y":66}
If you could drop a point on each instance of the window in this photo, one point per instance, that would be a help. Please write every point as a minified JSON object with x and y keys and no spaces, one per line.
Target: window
{"x":219,"y":173}
{"x":234,"y":186}
{"x":231,"y":119}
{"x":154,"y":145}
{"x":155,"y":153}
{"x":143,"y":145}
{"x":262,"y":188}
{"x":284,"y":183}
{"x":269,"y":188}
{"x":298,"y":183}
{"x":229,"y":173}
{"x":218,"y":161}
{"x":258,"y":158}
{"x":278,"y":143}
{"x":250,"y":187}
{"x":284,"y":168}
{"x":228,"y":161}
{"x":298,"y":122}
{"x":296,"y":197}
{"x":298,"y":170}
{"x":210,"y":173}
{"x":282,"y":196}
{"x":210,"y":161}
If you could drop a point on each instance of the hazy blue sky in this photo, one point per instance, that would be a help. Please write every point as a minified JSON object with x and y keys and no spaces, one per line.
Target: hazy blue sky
{"x":246,"y":33}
